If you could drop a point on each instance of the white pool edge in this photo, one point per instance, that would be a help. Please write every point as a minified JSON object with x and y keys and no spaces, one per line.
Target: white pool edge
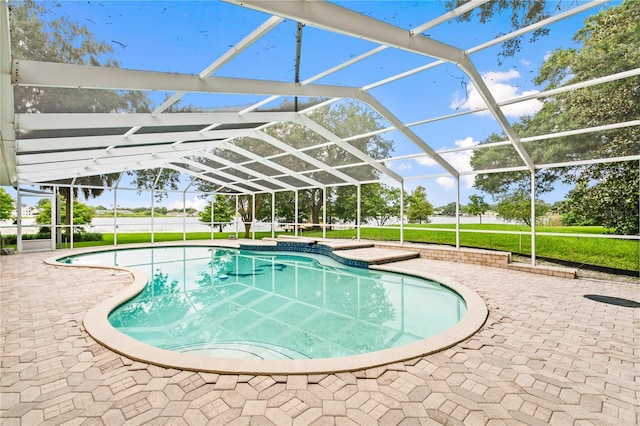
{"x":97,"y":325}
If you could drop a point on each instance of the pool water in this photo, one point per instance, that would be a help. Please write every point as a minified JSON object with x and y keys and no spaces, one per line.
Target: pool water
{"x":273,"y":305}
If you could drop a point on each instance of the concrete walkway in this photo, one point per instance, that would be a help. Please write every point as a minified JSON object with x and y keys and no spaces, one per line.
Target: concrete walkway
{"x":547,"y":355}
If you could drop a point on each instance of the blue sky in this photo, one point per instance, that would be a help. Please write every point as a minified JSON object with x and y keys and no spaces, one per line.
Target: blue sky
{"x":187,"y":36}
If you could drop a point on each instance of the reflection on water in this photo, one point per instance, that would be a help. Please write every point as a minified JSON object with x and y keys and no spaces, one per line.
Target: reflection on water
{"x":238,"y":303}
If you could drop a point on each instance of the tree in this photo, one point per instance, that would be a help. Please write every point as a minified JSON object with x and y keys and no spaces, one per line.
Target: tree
{"x":523,"y":13}
{"x":477,"y":206}
{"x":343,"y":119}
{"x":517,"y":206}
{"x":449,"y":209}
{"x":380,"y":203}
{"x":38,"y":33}
{"x":82,"y":214}
{"x":609,"y":43}
{"x":419,"y":207}
{"x":245,"y":210}
{"x":6,"y":205}
{"x":158,"y":180}
{"x":607,"y":203}
{"x":223,"y":211}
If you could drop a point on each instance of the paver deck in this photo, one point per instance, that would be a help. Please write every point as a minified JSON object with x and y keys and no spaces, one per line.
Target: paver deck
{"x":547,"y":355}
{"x":376,"y":255}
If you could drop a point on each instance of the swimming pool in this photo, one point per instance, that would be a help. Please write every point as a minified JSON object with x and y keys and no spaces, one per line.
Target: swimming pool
{"x":220,"y":303}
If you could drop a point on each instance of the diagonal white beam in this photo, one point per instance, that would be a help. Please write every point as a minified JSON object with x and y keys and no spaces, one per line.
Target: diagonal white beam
{"x":449,"y":15}
{"x":267,"y":26}
{"x":246,"y":170}
{"x":234,"y":179}
{"x":255,"y":35}
{"x":493,"y":42}
{"x":273,"y":165}
{"x":472,"y":4}
{"x":334,"y":18}
{"x":469,"y":68}
{"x":302,"y":156}
{"x":49,"y":74}
{"x":382,"y":110}
{"x":543,"y":23}
{"x":208,"y":178}
{"x":325,"y":133}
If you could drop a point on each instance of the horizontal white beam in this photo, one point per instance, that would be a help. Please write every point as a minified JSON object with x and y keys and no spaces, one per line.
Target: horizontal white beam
{"x":102,"y":142}
{"x":60,"y":156}
{"x":49,"y":74}
{"x":55,"y":121}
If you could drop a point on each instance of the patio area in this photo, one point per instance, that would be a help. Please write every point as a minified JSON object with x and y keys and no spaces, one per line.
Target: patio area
{"x":546,"y":355}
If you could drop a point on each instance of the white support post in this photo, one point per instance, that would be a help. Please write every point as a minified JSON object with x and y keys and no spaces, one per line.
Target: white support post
{"x":324,"y":213}
{"x":253,"y":216}
{"x":236,"y":216}
{"x":54,"y":214}
{"x":152,"y":214}
{"x":273,"y":215}
{"x":184,"y":216}
{"x":359,"y":187}
{"x":213,"y":225}
{"x":19,"y":228}
{"x":402,"y":212}
{"x":533,"y":218}
{"x":295,"y":220}
{"x":458,"y":212}
{"x":115,"y":216}
{"x":71,"y":216}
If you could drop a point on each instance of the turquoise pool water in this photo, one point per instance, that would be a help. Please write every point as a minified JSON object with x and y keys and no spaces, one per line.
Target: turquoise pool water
{"x":273,"y":305}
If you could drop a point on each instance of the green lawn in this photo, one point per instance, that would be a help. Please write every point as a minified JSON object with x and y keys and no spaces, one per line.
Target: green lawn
{"x":612,"y":253}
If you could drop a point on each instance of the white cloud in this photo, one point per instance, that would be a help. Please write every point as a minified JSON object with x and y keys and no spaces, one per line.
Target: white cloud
{"x":426,"y":161}
{"x":446,"y":182}
{"x":195,"y":203}
{"x":402,"y":166}
{"x":459,"y":160}
{"x":501,"y":89}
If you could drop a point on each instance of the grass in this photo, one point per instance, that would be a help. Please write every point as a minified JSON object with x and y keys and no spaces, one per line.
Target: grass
{"x":611,"y":253}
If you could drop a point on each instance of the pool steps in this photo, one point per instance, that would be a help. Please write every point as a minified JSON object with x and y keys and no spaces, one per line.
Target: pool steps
{"x":351,"y":253}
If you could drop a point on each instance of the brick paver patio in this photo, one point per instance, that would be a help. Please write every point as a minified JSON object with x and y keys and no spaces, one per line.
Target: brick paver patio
{"x":547,"y":355}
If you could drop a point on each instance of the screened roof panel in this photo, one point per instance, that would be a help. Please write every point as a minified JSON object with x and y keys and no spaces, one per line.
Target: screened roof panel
{"x":263,"y":169}
{"x":361,"y":172}
{"x":227,"y":91}
{"x":293,"y":163}
{"x":325,"y":178}
{"x":293,"y":181}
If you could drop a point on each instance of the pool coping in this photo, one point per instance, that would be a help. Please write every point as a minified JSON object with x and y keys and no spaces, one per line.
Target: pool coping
{"x":97,"y":325}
